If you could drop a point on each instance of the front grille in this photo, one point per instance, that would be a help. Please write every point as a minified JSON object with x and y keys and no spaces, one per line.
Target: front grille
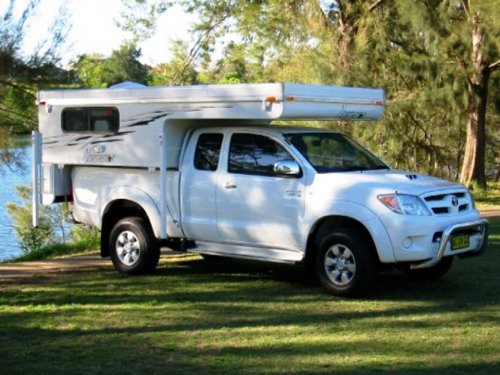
{"x":449,"y":203}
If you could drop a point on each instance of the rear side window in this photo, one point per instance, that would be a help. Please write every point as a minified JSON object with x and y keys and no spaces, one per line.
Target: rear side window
{"x":206,"y":157}
{"x":255,"y":154}
{"x":90,"y":120}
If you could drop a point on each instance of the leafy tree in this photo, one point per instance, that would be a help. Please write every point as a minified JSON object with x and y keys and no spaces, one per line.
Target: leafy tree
{"x":178,"y":71}
{"x":463,"y":40}
{"x":435,"y":58}
{"x":97,"y":71}
{"x":139,"y":17}
{"x":89,"y":70}
{"x":22,"y":73}
{"x":124,"y":65}
{"x":479,"y":63}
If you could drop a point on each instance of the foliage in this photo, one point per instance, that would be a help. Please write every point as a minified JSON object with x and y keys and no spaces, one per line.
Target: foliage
{"x":52,"y":222}
{"x":23,"y":73}
{"x":85,"y":236}
{"x":89,"y":70}
{"x":139,"y":16}
{"x":97,"y":71}
{"x":84,"y":240}
{"x":421,"y":53}
{"x":192,"y":317}
{"x":178,"y":71}
{"x":30,"y":238}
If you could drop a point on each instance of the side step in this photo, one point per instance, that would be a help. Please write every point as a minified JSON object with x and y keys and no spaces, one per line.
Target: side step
{"x":246,"y":252}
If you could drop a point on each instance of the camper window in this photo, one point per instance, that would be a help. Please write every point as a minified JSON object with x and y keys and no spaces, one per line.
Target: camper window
{"x":90,"y":120}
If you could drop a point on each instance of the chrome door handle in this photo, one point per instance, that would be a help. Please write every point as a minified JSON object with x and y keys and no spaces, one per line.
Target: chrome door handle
{"x":230,"y":185}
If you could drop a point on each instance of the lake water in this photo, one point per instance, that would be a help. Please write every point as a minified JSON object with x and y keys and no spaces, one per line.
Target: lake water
{"x":9,"y":247}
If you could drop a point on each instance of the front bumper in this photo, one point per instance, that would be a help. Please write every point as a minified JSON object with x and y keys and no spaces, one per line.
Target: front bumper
{"x":418,"y":239}
{"x":480,"y":241}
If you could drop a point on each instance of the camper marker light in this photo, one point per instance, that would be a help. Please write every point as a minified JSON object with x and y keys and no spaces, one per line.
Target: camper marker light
{"x":267,"y":103}
{"x":404,"y":204}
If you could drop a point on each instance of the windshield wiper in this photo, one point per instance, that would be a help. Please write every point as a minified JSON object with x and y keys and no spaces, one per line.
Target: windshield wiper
{"x":353,"y":168}
{"x":378,"y":167}
{"x":361,"y":169}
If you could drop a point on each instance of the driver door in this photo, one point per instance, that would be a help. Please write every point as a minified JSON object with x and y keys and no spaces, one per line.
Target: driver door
{"x":255,"y":206}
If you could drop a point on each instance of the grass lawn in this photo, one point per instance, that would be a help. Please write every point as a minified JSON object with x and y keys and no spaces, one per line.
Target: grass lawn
{"x":488,"y":199}
{"x":231,"y":317}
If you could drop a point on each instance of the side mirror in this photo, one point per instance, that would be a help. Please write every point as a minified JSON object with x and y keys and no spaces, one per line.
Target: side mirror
{"x":287,"y":167}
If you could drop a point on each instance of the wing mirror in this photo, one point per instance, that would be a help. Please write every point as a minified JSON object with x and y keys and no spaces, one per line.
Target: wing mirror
{"x":287,"y":167}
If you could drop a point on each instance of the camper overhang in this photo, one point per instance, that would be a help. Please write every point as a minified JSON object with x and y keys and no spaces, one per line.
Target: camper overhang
{"x":271,"y":101}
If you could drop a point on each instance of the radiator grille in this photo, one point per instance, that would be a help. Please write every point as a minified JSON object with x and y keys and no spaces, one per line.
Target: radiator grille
{"x":449,"y":203}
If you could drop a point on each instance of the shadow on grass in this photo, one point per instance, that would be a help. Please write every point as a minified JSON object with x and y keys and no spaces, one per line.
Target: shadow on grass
{"x":194,"y":316}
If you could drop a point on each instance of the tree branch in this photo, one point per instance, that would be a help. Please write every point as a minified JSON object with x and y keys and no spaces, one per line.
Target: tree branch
{"x":465,"y":5}
{"x":17,"y":87}
{"x":197,"y":45}
{"x":494,"y":66}
{"x":375,"y":5}
{"x":341,"y":17}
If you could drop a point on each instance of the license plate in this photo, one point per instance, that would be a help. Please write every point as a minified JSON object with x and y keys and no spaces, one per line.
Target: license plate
{"x":459,"y":242}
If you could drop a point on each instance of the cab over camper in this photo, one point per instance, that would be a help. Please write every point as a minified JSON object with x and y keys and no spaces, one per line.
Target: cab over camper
{"x":204,"y":167}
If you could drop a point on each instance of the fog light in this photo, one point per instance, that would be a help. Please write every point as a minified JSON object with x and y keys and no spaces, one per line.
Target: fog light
{"x":407,"y":243}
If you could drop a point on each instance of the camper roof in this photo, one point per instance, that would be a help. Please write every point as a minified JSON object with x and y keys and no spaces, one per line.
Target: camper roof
{"x":250,"y":101}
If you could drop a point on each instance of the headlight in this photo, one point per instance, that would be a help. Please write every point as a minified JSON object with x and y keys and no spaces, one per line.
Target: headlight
{"x":404,"y":204}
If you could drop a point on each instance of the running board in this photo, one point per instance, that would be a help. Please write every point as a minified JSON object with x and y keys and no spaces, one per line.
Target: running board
{"x":247,"y":252}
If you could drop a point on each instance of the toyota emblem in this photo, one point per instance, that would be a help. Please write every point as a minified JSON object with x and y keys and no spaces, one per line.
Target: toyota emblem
{"x":454,"y":201}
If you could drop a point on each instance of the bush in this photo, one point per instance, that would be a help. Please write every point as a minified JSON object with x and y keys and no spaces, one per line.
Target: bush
{"x":85,"y":236}
{"x":52,"y":220}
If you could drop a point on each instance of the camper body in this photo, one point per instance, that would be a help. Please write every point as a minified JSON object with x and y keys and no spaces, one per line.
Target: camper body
{"x":203,"y":166}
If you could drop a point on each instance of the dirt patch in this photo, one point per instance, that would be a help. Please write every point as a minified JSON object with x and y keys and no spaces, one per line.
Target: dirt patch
{"x":491,"y":214}
{"x":16,"y":272}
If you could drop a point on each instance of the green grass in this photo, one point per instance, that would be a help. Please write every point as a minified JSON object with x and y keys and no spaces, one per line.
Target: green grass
{"x":488,"y":199}
{"x":195,"y":317}
{"x":57,"y":250}
{"x":84,"y":242}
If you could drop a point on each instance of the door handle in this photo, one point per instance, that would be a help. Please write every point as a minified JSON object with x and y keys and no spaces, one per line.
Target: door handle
{"x":230,"y":186}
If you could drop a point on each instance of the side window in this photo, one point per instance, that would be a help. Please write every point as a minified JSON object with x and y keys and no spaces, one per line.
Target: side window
{"x":90,"y":120}
{"x":206,"y":156}
{"x":255,"y":154}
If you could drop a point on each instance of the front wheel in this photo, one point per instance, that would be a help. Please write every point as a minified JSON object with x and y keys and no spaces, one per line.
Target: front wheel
{"x":346,"y":264}
{"x":133,"y":247}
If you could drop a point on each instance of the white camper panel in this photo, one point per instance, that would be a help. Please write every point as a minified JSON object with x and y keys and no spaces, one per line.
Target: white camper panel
{"x":143,"y":112}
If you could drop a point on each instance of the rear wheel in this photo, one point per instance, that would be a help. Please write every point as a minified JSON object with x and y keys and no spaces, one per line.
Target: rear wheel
{"x":133,"y":247}
{"x":346,"y":264}
{"x":432,"y":273}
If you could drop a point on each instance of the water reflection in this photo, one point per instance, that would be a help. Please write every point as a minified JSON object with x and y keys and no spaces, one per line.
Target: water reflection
{"x":9,"y":247}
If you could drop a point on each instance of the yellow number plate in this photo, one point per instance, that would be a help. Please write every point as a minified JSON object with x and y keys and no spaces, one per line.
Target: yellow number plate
{"x":459,"y":242}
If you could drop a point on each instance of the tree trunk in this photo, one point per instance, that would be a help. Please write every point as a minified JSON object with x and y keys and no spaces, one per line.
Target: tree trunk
{"x":473,"y":167}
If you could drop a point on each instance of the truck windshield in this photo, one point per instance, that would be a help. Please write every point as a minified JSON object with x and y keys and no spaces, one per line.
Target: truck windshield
{"x":332,"y":152}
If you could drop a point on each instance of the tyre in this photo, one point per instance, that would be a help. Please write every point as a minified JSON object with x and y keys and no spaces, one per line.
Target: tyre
{"x":346,"y":264}
{"x":430,"y":274}
{"x":133,"y":247}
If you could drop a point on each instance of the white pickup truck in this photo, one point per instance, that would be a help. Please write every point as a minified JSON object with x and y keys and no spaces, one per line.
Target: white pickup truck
{"x":230,"y":184}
